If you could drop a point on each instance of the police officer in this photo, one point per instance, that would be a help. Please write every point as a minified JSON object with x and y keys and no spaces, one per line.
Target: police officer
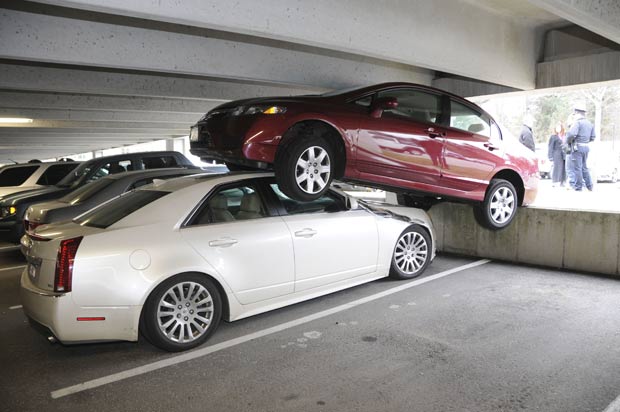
{"x":526,"y":137}
{"x":580,"y":135}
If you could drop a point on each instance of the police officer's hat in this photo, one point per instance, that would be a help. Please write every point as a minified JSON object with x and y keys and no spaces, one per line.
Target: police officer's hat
{"x":579,"y":106}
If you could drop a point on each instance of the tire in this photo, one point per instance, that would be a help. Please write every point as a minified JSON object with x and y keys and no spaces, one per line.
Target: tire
{"x":165,"y":331}
{"x":499,"y":206}
{"x":298,"y":176}
{"x":412,"y":253}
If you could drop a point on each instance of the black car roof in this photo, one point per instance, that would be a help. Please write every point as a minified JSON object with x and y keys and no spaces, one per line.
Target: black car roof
{"x":153,"y":172}
{"x":137,"y":154}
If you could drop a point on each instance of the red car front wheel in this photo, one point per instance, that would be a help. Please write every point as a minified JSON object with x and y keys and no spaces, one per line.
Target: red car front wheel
{"x":305,"y":168}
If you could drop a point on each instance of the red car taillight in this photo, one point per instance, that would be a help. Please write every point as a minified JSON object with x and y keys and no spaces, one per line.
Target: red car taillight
{"x":64,"y":264}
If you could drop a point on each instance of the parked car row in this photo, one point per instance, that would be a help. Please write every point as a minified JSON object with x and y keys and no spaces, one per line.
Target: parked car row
{"x":13,"y":207}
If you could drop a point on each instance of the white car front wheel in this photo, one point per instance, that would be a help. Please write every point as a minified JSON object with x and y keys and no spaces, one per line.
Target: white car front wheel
{"x":412,"y":253}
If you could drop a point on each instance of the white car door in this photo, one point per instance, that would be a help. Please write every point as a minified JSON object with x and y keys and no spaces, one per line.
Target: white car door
{"x":250,"y":249}
{"x":331,"y":243}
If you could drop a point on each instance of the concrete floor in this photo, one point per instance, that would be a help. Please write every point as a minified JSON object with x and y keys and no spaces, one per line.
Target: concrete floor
{"x":497,"y":337}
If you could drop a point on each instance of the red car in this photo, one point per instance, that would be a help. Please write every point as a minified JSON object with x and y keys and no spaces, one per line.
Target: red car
{"x":415,"y":140}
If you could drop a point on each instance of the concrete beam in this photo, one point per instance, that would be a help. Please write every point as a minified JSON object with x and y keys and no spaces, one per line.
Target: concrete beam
{"x":100,"y":115}
{"x":445,"y":35}
{"x":12,"y":99}
{"x":599,"y":16}
{"x":53,"y":39}
{"x":92,"y":125}
{"x":578,"y":70}
{"x":67,"y":80}
{"x":469,"y":87}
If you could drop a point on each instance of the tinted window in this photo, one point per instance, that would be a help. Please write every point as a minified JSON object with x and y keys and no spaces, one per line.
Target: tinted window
{"x":86,"y":192}
{"x":85,"y":171}
{"x":417,"y":105}
{"x":15,"y":176}
{"x":326,"y":203}
{"x":230,"y":205}
{"x":55,"y":173}
{"x":464,"y":118}
{"x":122,"y":206}
{"x":111,"y":168}
{"x":158,"y":162}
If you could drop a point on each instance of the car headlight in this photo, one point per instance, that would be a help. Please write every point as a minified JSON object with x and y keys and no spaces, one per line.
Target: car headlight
{"x":193,"y":134}
{"x":249,"y":110}
{"x":7,"y":211}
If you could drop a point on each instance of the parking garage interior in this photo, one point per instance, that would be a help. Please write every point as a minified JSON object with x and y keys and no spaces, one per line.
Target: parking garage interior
{"x":525,"y":318}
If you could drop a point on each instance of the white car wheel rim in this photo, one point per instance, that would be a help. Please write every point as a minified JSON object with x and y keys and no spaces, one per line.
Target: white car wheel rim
{"x":313,"y":169}
{"x":502,"y":205}
{"x":411,"y":253}
{"x":185,"y":312}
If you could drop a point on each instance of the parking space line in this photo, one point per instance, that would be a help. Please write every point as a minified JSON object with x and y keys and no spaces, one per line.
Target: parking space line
{"x":614,"y":406}
{"x":13,"y":267}
{"x":15,"y":307}
{"x":140,"y":370}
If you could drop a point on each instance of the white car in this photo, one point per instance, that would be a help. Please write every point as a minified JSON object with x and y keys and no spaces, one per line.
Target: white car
{"x":27,"y":176}
{"x":172,"y":259}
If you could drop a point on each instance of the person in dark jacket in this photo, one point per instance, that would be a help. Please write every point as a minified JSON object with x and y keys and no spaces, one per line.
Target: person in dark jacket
{"x":526,"y":137}
{"x":557,"y":155}
{"x":581,"y":134}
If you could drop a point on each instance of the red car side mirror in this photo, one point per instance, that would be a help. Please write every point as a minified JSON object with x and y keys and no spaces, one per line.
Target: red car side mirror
{"x":382,"y":103}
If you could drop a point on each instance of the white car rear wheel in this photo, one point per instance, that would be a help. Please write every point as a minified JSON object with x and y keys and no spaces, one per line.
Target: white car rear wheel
{"x":182,"y":312}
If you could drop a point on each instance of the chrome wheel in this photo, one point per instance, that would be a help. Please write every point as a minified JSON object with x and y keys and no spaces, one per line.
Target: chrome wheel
{"x":185,"y":312}
{"x":411,"y":253}
{"x":313,"y":170}
{"x":502,"y":205}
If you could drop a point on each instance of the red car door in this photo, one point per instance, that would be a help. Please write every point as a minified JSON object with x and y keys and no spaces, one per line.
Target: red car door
{"x":473,"y":150}
{"x":404,"y":145}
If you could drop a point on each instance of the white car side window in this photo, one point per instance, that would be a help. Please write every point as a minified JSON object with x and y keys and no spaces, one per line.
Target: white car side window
{"x":232,"y":204}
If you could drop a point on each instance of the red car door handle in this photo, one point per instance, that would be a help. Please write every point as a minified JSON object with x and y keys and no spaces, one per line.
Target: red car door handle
{"x":490,"y":146}
{"x":434,"y":133}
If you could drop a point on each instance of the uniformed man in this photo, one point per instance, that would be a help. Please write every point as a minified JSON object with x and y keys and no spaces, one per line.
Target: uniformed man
{"x":526,"y":137}
{"x":580,"y":134}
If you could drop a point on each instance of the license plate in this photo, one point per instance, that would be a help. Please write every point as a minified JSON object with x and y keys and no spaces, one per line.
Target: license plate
{"x":193,"y":134}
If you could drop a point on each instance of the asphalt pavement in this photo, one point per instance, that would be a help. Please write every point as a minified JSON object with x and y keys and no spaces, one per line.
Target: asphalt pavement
{"x":492,"y":337}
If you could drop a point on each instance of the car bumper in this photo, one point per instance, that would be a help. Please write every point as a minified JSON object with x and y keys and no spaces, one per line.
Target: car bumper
{"x":58,"y":313}
{"x":11,"y":231}
{"x":247,"y":140}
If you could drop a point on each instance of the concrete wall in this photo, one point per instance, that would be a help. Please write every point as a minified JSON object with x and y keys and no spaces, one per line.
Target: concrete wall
{"x":575,"y":240}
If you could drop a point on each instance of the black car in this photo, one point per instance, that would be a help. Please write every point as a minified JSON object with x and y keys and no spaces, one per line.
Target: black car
{"x":13,"y":207}
{"x":95,"y":193}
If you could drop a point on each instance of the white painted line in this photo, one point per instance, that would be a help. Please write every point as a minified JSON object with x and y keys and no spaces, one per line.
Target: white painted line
{"x":15,"y":307}
{"x":13,"y":267}
{"x":198,"y":353}
{"x":614,"y":406}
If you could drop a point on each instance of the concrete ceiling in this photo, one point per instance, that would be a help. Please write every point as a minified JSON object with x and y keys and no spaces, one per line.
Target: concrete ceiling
{"x":95,"y":74}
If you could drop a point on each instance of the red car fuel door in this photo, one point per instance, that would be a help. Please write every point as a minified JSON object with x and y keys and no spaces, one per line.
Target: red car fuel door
{"x":402,"y":142}
{"x":472,"y":151}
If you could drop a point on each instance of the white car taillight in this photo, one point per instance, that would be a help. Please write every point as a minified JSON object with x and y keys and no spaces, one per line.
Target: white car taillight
{"x":64,"y":264}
